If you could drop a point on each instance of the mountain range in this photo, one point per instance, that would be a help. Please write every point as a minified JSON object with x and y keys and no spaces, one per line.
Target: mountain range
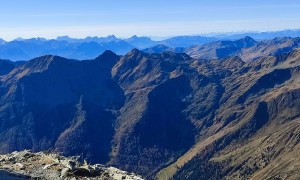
{"x":228,"y":111}
{"x":246,"y":48}
{"x":90,"y":47}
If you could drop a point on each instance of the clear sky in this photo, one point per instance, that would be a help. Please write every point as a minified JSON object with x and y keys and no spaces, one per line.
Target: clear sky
{"x":124,"y":18}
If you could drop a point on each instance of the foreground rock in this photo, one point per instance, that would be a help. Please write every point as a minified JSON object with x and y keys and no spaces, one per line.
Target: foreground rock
{"x":26,"y":165}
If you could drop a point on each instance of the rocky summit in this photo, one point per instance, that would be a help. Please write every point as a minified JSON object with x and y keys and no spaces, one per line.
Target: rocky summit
{"x":27,"y":165}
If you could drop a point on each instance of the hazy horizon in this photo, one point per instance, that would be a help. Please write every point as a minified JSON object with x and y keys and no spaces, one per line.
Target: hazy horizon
{"x":78,"y":19}
{"x":208,"y":34}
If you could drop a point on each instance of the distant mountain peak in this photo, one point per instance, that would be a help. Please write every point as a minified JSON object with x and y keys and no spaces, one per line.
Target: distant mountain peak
{"x":19,"y":39}
{"x":63,"y":38}
{"x":157,"y":49}
{"x":42,"y":63}
{"x":107,"y":53}
{"x":109,"y":58}
{"x":247,"y":41}
{"x":38,"y":39}
{"x":248,"y":38}
{"x":161,"y":46}
{"x":111,"y":38}
{"x":133,"y":37}
{"x":137,"y":38}
{"x":140,"y":42}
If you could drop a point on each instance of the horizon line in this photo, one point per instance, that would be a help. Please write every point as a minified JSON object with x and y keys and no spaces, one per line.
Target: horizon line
{"x":158,"y":38}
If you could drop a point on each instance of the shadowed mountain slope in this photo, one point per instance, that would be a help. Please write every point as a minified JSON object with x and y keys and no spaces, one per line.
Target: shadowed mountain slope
{"x":55,"y":102}
{"x":6,"y":66}
{"x":163,"y":115}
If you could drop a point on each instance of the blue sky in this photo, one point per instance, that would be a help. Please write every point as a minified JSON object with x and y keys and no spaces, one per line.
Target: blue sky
{"x":124,"y":18}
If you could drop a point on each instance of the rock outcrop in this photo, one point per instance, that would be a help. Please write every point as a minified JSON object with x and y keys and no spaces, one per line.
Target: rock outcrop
{"x":42,"y":165}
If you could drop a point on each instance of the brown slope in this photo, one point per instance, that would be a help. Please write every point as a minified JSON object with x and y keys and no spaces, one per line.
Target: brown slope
{"x":154,"y":109}
{"x":144,"y":79}
{"x":269,"y":48}
{"x":236,"y":122}
{"x":168,"y":104}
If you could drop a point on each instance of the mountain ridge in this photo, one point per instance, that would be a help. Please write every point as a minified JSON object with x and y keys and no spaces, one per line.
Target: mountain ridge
{"x":164,"y":115}
{"x":91,"y":47}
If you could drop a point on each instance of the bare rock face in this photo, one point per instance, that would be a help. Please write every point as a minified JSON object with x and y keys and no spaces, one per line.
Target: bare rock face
{"x":25,"y":165}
